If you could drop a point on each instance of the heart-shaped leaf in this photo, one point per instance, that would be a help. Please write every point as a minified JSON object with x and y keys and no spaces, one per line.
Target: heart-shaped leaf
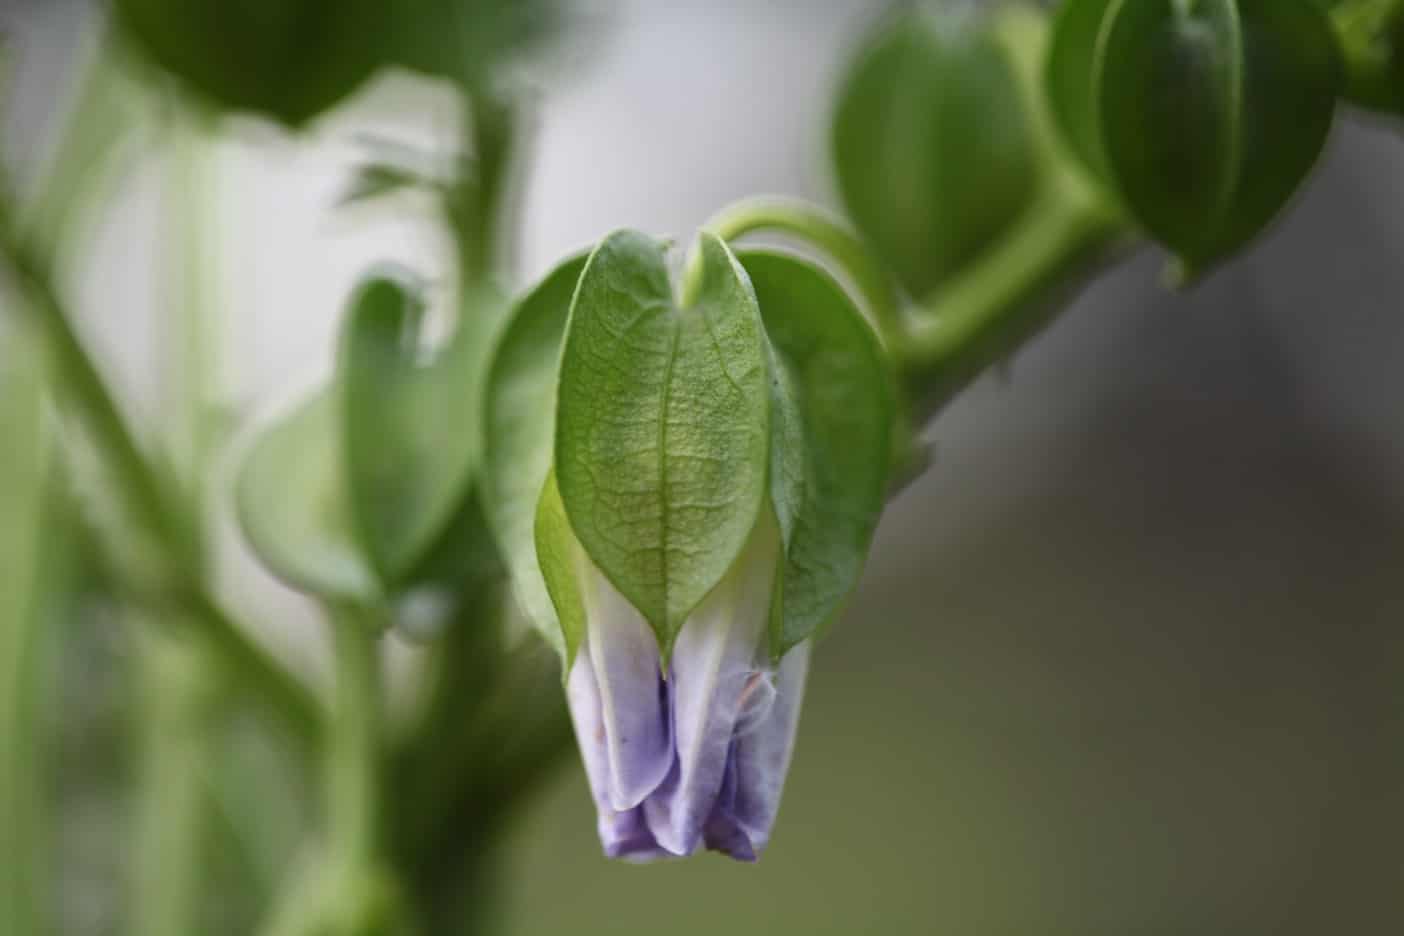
{"x":662,"y":423}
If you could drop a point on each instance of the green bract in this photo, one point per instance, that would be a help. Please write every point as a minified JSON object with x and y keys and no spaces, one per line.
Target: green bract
{"x":519,"y":420}
{"x":364,"y":489}
{"x":287,"y":59}
{"x":932,"y":146}
{"x":646,"y":435}
{"x":1202,"y":116}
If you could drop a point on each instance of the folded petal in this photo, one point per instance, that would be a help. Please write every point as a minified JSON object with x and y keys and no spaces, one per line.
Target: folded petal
{"x":759,"y":759}
{"x":623,"y":656}
{"x":713,"y":676}
{"x":622,"y":834}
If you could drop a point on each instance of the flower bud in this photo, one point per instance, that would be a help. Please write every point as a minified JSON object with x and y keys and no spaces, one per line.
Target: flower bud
{"x":1202,"y":117}
{"x":931,"y":144}
{"x":715,"y":469}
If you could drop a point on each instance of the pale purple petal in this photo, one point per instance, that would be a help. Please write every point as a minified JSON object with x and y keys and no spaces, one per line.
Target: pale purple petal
{"x":758,"y":761}
{"x":624,"y":657}
{"x":714,"y":674}
{"x":622,"y":834}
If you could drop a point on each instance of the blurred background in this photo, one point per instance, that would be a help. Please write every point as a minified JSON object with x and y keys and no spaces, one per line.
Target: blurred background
{"x":1127,"y":659}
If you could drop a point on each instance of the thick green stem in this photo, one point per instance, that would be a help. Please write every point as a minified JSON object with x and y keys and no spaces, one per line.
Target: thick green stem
{"x":988,"y":311}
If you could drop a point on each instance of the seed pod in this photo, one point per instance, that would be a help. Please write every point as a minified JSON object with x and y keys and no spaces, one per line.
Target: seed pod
{"x":1202,"y":116}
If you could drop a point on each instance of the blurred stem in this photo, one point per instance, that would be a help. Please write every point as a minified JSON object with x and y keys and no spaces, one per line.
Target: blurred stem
{"x":192,"y":320}
{"x":476,"y":204}
{"x":180,"y":690}
{"x":354,"y":746}
{"x":1370,"y":33}
{"x":82,"y":388}
{"x":27,"y":569}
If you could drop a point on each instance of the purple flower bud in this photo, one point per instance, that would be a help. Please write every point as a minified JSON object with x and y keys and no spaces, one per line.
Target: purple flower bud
{"x":697,"y":756}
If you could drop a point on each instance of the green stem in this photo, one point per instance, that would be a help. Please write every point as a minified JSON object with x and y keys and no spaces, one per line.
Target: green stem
{"x":353,"y":746}
{"x":476,"y":204}
{"x":989,"y":310}
{"x":82,"y":388}
{"x":829,"y":235}
{"x":180,"y":691}
{"x":28,"y":571}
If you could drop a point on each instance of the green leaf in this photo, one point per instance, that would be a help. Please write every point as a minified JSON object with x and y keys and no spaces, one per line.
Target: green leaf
{"x":1070,"y":78}
{"x":559,"y":554}
{"x":931,"y":146}
{"x":462,"y":40}
{"x":287,"y":59}
{"x":290,"y":496}
{"x":519,"y":422}
{"x":412,"y":430}
{"x":663,"y":423}
{"x":833,"y":442}
{"x":1169,"y":93}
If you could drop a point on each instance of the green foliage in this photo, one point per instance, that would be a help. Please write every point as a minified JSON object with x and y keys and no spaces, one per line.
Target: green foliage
{"x":291,"y":60}
{"x":519,"y":419}
{"x":662,"y":423}
{"x":931,"y":145}
{"x":411,"y":428}
{"x":833,"y":438}
{"x":559,"y":556}
{"x":365,"y":489}
{"x":1202,"y":116}
{"x":286,"y":59}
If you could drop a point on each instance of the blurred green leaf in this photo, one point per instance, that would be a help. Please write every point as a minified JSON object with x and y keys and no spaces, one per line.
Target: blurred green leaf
{"x":462,"y":40}
{"x":662,"y":423}
{"x":286,"y":59}
{"x":931,"y":145}
{"x":411,"y":426}
{"x":519,"y":419}
{"x":293,"y":507}
{"x":832,"y":444}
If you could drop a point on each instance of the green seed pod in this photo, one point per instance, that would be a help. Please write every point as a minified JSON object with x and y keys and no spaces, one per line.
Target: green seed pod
{"x":931,"y":145}
{"x":1202,"y":116}
{"x":286,"y":59}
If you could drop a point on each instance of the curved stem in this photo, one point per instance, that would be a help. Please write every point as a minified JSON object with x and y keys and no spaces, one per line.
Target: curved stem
{"x":1018,"y":287}
{"x":829,"y":235}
